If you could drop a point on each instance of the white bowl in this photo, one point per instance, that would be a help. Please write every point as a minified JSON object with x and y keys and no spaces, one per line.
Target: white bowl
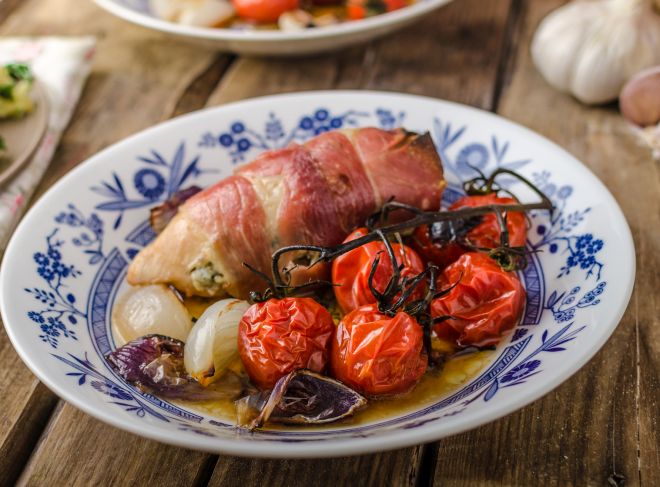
{"x":67,"y":260}
{"x":276,"y":43}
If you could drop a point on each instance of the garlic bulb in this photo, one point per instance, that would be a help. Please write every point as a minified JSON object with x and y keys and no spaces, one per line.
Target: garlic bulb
{"x":200,"y":13}
{"x":213,"y":342}
{"x":147,"y":310}
{"x":591,"y":48}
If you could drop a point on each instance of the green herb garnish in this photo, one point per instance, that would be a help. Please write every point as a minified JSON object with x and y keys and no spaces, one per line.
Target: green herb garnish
{"x":19,"y":71}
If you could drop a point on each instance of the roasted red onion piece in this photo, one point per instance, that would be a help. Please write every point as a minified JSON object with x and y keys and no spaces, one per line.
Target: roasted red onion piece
{"x":154,"y":364}
{"x":302,"y":397}
{"x":160,"y":216}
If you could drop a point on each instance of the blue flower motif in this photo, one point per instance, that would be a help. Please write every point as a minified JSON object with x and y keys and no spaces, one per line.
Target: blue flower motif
{"x":60,"y":269}
{"x":594,"y":246}
{"x":587,"y":261}
{"x":41,"y":259}
{"x":336,"y":123}
{"x":385,"y":118}
{"x":564,"y":192}
{"x":69,"y":218}
{"x":565,"y":315}
{"x":238,"y":127}
{"x":475,"y":155}
{"x":46,"y":273}
{"x":54,"y":254}
{"x":306,"y":123}
{"x":321,"y":114}
{"x":591,"y":296}
{"x":149,"y":183}
{"x":520,"y":371}
{"x":36,"y":317}
{"x":573,"y":260}
{"x":226,"y":140}
{"x":243,"y":144}
{"x":583,"y":241}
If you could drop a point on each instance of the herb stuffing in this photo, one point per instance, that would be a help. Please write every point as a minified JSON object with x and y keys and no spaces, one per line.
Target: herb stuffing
{"x":15,"y":85}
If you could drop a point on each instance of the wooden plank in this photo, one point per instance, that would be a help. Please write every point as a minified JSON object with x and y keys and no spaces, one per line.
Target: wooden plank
{"x":456,"y":56}
{"x":395,"y":468}
{"x":80,"y":451}
{"x":600,"y":427}
{"x":25,"y":407}
{"x":139,"y":78}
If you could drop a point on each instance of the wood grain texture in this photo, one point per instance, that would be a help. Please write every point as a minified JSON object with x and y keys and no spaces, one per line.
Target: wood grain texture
{"x":25,"y":407}
{"x":600,"y":427}
{"x":396,"y":468}
{"x":78,"y":450}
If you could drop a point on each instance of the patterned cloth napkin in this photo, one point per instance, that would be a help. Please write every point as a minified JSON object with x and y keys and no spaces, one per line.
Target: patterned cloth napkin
{"x":61,"y":65}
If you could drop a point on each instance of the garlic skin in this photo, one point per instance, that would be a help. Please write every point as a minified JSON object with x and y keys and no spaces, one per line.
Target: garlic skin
{"x":640,"y":98}
{"x":212,"y":344}
{"x":148,"y":310}
{"x":591,"y":48}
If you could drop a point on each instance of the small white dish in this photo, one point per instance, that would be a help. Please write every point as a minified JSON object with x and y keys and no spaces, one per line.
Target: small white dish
{"x":275,"y":42}
{"x":68,"y":257}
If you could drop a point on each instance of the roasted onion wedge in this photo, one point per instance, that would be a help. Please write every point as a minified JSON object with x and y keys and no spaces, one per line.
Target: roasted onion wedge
{"x":154,"y":364}
{"x":302,"y":397}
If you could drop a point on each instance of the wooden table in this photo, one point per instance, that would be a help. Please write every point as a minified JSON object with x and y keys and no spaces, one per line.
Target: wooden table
{"x":599,"y":428}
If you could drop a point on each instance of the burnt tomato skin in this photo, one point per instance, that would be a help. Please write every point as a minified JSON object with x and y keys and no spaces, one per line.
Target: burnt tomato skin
{"x":484,"y":305}
{"x":377,"y":354}
{"x":485,"y":235}
{"x":350,"y":271}
{"x":279,"y":336}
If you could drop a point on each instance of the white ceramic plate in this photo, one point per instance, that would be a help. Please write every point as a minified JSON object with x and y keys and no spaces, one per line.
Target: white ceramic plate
{"x":67,"y":261}
{"x":275,"y":43}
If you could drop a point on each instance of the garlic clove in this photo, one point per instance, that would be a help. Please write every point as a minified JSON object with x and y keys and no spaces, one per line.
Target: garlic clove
{"x":212,"y":344}
{"x":294,"y":20}
{"x":165,"y":9}
{"x":640,"y":98}
{"x":148,"y":310}
{"x":206,"y":13}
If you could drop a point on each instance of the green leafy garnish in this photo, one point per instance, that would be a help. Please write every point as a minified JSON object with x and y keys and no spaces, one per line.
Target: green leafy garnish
{"x":15,"y":86}
{"x":7,"y":92}
{"x":3,"y":146}
{"x":19,"y":71}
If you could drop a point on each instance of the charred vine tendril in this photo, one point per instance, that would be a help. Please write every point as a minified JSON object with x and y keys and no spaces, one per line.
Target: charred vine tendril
{"x":458,"y":222}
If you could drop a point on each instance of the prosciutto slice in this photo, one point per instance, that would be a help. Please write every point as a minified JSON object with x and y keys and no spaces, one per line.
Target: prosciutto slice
{"x":315,"y":193}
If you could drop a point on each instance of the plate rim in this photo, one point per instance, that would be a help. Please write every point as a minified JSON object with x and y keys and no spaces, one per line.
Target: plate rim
{"x":255,"y":36}
{"x":332,"y":447}
{"x":42,"y":110}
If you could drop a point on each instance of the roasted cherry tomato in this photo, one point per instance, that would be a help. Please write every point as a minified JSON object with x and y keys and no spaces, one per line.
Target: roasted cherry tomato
{"x":263,"y":10}
{"x":439,"y":254}
{"x":281,"y":335}
{"x":378,"y":354}
{"x":350,"y":271}
{"x":359,"y":9}
{"x":486,"y":303}
{"x":485,"y":235}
